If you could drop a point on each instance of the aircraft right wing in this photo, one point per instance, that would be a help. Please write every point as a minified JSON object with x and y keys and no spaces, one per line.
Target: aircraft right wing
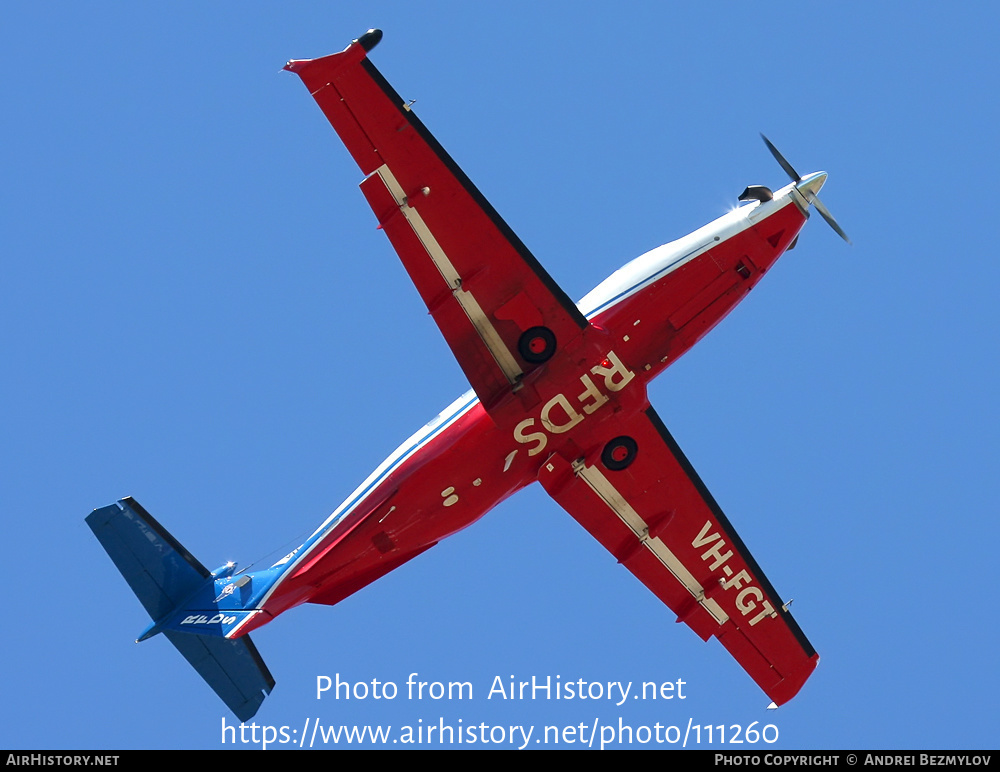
{"x":500,"y":312}
{"x":638,"y":495}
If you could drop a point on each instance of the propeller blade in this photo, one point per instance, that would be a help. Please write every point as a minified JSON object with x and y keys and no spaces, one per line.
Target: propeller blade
{"x":808,"y":189}
{"x":781,"y":160}
{"x":825,"y":214}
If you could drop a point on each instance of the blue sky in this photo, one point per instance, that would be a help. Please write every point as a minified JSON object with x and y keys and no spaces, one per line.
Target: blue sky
{"x":197,"y":310}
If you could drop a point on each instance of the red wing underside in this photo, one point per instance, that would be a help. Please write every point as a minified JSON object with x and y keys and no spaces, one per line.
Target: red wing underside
{"x":658,"y":519}
{"x":483,"y":287}
{"x":490,"y":298}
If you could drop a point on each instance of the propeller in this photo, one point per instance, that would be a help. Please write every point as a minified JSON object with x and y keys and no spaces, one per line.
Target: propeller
{"x":809,"y":187}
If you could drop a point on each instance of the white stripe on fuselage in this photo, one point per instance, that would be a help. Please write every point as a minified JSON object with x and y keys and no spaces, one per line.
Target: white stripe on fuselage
{"x":623,"y":283}
{"x":635,"y":276}
{"x":425,"y":434}
{"x":418,"y":440}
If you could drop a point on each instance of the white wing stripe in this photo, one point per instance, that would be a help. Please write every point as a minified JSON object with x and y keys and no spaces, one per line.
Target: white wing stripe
{"x":617,"y":503}
{"x":504,"y":359}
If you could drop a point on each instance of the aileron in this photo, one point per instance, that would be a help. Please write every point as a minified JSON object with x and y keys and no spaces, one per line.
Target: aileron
{"x":695,"y":562}
{"x":560,"y":400}
{"x":463,"y":251}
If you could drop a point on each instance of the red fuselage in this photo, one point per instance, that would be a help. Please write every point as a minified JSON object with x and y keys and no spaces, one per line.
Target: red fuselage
{"x":443,"y":481}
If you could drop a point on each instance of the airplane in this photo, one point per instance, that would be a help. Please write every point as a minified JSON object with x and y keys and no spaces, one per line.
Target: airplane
{"x":558,"y":396}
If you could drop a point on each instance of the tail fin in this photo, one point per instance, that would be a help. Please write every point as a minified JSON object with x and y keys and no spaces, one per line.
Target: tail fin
{"x":177,"y":591}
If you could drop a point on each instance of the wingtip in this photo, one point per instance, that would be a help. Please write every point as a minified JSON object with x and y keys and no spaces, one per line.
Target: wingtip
{"x":370,"y":39}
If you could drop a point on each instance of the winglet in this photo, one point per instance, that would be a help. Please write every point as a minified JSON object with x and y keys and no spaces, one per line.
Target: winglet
{"x":370,"y":39}
{"x":361,"y":46}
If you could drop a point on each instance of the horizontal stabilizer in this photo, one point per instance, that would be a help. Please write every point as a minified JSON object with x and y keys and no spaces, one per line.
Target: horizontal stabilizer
{"x":233,"y":669}
{"x":161,"y":573}
{"x":177,"y":591}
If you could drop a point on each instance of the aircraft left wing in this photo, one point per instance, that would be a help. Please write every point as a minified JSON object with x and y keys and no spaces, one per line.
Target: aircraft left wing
{"x":500,"y":312}
{"x":639,"y":496}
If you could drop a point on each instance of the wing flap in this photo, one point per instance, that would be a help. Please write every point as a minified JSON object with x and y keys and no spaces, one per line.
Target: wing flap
{"x":656,"y":517}
{"x":481,"y":284}
{"x":474,"y":338}
{"x":585,"y":493}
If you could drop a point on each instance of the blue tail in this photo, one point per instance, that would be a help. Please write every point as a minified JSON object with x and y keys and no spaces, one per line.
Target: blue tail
{"x":194,"y":607}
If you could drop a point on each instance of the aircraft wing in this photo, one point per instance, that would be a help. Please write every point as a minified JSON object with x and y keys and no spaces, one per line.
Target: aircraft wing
{"x":486,"y":291}
{"x":658,"y":519}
